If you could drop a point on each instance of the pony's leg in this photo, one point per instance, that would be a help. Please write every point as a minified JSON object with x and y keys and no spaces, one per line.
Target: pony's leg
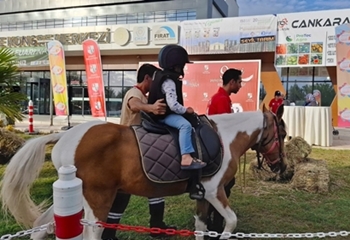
{"x":220,"y":203}
{"x":93,"y":233}
{"x":201,"y":218}
{"x":46,"y":217}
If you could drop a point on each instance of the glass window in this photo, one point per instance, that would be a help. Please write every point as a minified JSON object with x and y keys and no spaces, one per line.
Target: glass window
{"x":12,"y":27}
{"x":105,"y":77}
{"x":74,"y":78}
{"x":192,"y":13}
{"x":76,"y":22}
{"x":121,"y":19}
{"x":101,"y":20}
{"x":38,"y":74}
{"x":84,"y":21}
{"x":111,"y":19}
{"x":91,"y":21}
{"x":59,"y":23}
{"x":83,"y":78}
{"x":67,"y":23}
{"x":49,"y":23}
{"x":140,"y":17}
{"x":4,"y":27}
{"x":114,"y":97}
{"x":171,"y":13}
{"x":149,"y":17}
{"x":77,"y":100}
{"x":130,"y":78}
{"x":131,"y":18}
{"x":20,"y":26}
{"x":116,"y":78}
{"x":301,"y":81}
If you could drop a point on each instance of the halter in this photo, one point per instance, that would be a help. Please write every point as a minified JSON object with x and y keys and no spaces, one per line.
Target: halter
{"x":276,"y":143}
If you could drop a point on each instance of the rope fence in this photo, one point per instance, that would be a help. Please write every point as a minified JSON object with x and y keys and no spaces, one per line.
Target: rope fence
{"x":68,"y":224}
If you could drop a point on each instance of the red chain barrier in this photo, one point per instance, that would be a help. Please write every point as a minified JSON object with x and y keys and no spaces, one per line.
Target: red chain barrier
{"x":140,"y":229}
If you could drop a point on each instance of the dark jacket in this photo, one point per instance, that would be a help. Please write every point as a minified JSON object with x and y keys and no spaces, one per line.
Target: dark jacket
{"x":156,"y":92}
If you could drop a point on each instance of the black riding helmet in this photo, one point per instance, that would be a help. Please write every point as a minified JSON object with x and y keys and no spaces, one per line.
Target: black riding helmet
{"x":171,"y":56}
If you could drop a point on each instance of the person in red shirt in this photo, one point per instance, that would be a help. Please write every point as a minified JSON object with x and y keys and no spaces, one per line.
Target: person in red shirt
{"x":276,"y":102}
{"x":231,"y":83}
{"x":220,"y":103}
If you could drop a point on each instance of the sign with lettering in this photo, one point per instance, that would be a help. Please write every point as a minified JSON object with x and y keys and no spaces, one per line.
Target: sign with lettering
{"x":31,"y":56}
{"x":64,"y":38}
{"x":308,"y":38}
{"x":165,"y":34}
{"x":229,"y":35}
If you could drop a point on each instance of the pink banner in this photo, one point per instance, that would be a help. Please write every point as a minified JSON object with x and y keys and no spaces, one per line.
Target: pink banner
{"x":343,"y":74}
{"x":203,"y":79}
{"x":94,"y":77}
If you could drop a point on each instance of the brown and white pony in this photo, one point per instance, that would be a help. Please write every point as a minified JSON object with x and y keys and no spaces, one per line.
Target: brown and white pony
{"x":107,"y":159}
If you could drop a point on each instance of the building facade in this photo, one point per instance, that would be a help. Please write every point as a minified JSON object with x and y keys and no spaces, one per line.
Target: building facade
{"x":297,"y":50}
{"x":27,"y":27}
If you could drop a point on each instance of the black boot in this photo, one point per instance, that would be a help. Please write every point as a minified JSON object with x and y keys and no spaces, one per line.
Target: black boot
{"x":156,"y":210}
{"x":119,"y":205}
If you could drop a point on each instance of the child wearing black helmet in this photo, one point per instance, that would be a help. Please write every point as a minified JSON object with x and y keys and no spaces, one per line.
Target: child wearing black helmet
{"x":168,"y":85}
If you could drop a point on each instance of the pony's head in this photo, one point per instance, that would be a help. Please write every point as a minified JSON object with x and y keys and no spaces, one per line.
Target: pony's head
{"x":271,"y":144}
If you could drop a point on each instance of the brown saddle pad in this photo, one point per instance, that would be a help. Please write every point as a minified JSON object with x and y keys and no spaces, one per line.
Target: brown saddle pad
{"x":161,"y":159}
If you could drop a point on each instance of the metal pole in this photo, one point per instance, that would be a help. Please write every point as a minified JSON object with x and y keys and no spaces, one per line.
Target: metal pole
{"x":51,"y":104}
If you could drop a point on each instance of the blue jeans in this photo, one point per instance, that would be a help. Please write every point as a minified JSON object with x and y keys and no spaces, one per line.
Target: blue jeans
{"x":185,"y":131}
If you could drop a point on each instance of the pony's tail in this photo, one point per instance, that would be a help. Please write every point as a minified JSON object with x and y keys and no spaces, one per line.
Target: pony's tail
{"x":20,"y":174}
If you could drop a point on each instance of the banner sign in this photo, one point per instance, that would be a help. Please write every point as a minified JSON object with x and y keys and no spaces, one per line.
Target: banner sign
{"x":203,"y":79}
{"x":244,"y":34}
{"x":343,"y":74}
{"x":308,"y":38}
{"x":94,"y":76}
{"x":31,"y":56}
{"x":58,"y":77}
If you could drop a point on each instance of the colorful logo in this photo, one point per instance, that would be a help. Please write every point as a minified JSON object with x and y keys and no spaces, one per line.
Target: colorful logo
{"x":283,"y":23}
{"x":165,"y":32}
{"x":344,"y":65}
{"x":345,"y":114}
{"x":345,"y":90}
{"x":344,"y":37}
{"x":289,"y":39}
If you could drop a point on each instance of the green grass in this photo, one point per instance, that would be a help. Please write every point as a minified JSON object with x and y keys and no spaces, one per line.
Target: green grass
{"x":261,"y":207}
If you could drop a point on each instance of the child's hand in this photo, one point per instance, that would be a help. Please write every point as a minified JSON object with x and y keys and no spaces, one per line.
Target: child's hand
{"x":189,"y":110}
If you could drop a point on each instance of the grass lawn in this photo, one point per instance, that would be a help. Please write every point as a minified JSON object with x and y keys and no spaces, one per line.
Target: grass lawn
{"x":261,"y":207}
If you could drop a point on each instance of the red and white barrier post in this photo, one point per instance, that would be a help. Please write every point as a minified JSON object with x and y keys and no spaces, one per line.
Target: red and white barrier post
{"x":68,"y":204}
{"x":30,"y":116}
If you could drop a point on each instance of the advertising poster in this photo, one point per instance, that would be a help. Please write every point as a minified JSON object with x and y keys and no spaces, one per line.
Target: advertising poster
{"x":308,"y":38}
{"x":203,"y":79}
{"x":343,"y":74}
{"x":31,"y":56}
{"x":94,"y":76}
{"x":58,"y":77}
{"x":244,"y":34}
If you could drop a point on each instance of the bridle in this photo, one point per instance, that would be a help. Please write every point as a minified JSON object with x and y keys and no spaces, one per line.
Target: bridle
{"x":264,"y":141}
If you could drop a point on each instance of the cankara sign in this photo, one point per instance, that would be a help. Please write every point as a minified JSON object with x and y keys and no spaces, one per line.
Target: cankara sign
{"x":308,"y":38}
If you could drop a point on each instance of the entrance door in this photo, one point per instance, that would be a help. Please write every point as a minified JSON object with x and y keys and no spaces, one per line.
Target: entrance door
{"x":39,"y":93}
{"x":44,"y":96}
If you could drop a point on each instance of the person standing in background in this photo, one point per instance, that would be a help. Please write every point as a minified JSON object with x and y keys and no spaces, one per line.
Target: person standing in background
{"x":220,"y":103}
{"x":135,"y":100}
{"x":276,"y":102}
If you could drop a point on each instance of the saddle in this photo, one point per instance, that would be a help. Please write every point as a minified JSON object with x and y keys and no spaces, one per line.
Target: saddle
{"x":160,"y":150}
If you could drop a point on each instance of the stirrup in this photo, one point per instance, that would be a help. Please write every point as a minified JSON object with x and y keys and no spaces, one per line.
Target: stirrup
{"x":199,"y":193}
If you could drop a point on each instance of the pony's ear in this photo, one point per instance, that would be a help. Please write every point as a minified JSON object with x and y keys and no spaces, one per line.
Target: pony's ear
{"x":264,"y":108}
{"x":280,"y":112}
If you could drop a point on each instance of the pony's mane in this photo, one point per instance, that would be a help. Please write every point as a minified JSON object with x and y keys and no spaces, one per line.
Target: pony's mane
{"x":248,"y":121}
{"x":238,"y":117}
